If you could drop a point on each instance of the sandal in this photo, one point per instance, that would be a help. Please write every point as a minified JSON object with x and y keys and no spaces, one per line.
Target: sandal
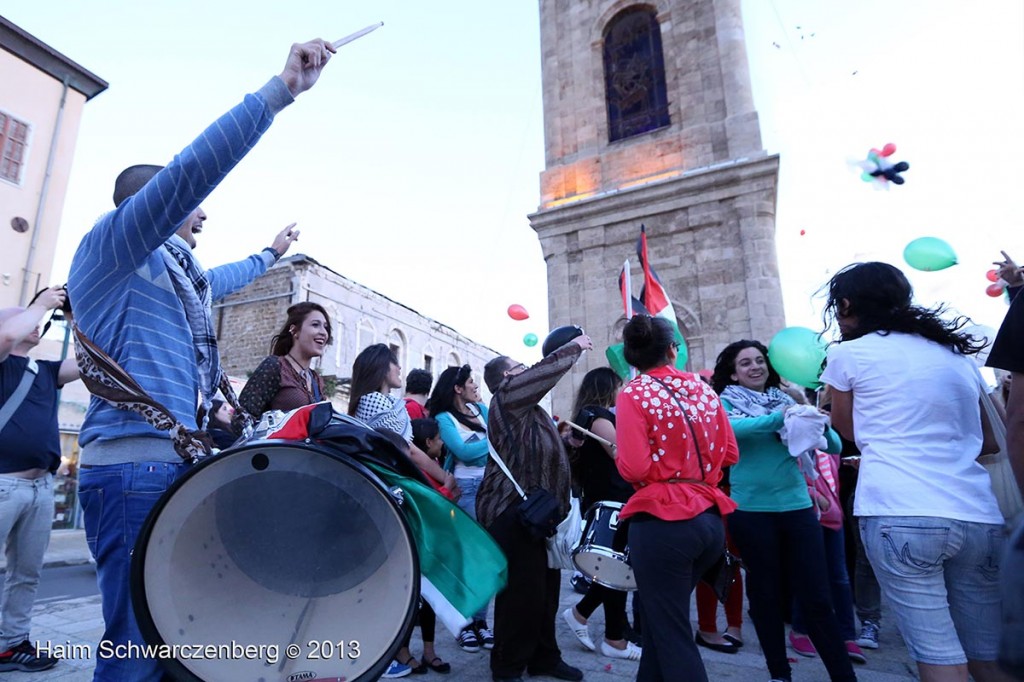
{"x":420,"y":669}
{"x":439,"y":666}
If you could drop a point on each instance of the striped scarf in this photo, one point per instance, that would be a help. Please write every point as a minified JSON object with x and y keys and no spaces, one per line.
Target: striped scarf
{"x":193,"y":290}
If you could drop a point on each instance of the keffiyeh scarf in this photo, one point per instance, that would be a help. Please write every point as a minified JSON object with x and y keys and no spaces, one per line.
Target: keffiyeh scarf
{"x":193,"y":290}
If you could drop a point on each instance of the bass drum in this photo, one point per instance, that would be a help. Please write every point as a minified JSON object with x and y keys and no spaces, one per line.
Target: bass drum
{"x":277,"y":561}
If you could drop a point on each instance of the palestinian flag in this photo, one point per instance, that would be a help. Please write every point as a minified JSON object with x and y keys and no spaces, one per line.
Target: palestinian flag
{"x":654,"y":297}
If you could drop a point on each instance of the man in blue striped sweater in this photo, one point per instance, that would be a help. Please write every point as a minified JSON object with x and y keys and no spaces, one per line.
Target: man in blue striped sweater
{"x":131,"y":300}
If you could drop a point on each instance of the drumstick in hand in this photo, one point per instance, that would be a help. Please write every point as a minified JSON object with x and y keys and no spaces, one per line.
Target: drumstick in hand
{"x":358,"y":34}
{"x":593,"y":435}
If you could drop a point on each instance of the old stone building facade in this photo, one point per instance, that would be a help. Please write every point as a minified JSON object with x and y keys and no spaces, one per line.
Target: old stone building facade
{"x":649,"y":119}
{"x":247,"y":320}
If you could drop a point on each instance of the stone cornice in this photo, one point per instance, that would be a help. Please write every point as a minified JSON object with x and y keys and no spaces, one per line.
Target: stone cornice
{"x":713,"y":183}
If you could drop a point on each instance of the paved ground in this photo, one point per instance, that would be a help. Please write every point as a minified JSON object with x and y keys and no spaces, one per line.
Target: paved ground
{"x":79,"y":622}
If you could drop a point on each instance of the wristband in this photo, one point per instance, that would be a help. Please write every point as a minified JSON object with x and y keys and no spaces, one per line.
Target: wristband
{"x":273,"y":252}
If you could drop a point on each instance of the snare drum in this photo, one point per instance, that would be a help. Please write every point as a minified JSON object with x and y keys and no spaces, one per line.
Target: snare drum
{"x":603,"y":555}
{"x":271,"y":545}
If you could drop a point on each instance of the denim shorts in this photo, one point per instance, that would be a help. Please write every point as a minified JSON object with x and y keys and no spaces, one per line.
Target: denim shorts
{"x":941,"y":578}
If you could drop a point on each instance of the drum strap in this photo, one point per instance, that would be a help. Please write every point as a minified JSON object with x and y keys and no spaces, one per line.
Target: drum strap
{"x":109,"y":381}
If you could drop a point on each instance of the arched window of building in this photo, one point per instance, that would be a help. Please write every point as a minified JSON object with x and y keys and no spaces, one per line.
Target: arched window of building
{"x":453,"y":360}
{"x":398,"y":345}
{"x":366,"y":335}
{"x":634,"y":74}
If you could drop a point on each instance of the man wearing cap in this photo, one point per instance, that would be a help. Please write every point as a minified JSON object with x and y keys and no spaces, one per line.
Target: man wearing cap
{"x":141,"y":298}
{"x":29,"y":454}
{"x":526,"y":438}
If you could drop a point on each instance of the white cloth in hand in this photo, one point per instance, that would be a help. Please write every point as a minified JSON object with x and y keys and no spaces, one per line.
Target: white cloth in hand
{"x":803,"y":432}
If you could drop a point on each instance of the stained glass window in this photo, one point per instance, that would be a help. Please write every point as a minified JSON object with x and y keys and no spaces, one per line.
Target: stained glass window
{"x":634,"y":74}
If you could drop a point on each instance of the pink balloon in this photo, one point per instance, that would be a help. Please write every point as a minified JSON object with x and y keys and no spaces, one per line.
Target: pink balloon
{"x":517,"y":312}
{"x":889,"y":149}
{"x":994,"y":290}
{"x":992,"y":275}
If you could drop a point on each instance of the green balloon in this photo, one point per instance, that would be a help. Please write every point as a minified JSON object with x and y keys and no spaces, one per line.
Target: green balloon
{"x":617,"y":360}
{"x":929,"y":254}
{"x":530,"y":339}
{"x":797,"y":354}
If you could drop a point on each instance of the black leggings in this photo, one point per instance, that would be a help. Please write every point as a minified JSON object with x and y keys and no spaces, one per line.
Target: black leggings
{"x":427,"y":620}
{"x":614,"y":603}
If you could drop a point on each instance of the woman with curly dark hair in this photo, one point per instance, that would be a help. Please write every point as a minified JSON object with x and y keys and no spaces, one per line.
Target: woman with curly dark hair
{"x":905,"y":389}
{"x":775,"y":526}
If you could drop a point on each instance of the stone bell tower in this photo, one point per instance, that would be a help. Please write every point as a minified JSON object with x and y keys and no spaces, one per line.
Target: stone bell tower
{"x":649,"y":118}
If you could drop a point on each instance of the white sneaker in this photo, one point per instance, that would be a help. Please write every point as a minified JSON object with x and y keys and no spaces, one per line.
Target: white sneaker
{"x":631,"y":653}
{"x":578,"y":629}
{"x":868,"y":635}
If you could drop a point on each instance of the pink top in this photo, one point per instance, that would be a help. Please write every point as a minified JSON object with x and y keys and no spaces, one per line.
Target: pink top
{"x":656,"y":448}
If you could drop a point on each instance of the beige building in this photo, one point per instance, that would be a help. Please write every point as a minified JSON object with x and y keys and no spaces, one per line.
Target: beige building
{"x":42,"y":94}
{"x":247,"y":321}
{"x":649,"y":119}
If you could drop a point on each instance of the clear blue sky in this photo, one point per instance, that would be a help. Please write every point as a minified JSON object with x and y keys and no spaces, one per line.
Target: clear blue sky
{"x":412,"y":165}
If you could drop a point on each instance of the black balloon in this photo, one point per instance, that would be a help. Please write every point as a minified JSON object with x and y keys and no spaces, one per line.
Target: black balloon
{"x":559,"y":337}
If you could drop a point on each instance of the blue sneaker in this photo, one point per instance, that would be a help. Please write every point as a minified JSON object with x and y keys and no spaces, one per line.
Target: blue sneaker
{"x":396,"y":669}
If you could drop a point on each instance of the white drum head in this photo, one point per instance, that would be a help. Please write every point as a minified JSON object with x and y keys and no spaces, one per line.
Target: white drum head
{"x":283,"y":562}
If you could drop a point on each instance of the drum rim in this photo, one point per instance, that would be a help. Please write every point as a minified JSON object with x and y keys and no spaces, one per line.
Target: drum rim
{"x":609,"y":554}
{"x":140,"y":604}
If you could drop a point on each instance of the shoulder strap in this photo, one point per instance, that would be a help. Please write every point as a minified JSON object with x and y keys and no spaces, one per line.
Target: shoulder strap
{"x":12,"y":404}
{"x":686,"y":418}
{"x":501,"y":464}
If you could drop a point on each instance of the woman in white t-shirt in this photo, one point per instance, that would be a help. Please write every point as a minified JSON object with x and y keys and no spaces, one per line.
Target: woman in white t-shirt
{"x":905,"y":389}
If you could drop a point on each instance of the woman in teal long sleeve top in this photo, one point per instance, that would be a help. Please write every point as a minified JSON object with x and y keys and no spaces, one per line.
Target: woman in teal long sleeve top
{"x":767,"y":478}
{"x":776,"y":527}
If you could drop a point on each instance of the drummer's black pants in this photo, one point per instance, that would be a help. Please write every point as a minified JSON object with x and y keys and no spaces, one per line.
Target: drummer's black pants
{"x":524,"y":612}
{"x":668,"y":559}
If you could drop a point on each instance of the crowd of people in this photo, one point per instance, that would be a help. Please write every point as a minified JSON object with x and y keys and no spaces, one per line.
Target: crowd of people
{"x":693,"y":463}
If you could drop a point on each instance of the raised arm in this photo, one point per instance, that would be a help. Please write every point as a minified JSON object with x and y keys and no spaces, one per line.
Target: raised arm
{"x":229,"y":278}
{"x":122,"y":239}
{"x":524,"y":390}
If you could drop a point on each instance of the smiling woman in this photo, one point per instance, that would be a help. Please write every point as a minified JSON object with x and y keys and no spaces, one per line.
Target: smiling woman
{"x":285,"y":379}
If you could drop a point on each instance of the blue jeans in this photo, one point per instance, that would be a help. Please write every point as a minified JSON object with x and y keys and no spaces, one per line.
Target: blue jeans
{"x":941,"y":577}
{"x":116,"y":499}
{"x":839,"y":581}
{"x":26,"y":514}
{"x":467,"y":503}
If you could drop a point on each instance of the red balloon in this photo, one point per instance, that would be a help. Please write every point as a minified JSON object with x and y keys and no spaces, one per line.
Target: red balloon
{"x":994,"y":290}
{"x":517,"y":312}
{"x":992,"y":275}
{"x":889,"y":149}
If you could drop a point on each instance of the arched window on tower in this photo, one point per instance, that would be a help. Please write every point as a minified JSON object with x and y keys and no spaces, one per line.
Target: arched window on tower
{"x":634,"y":74}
